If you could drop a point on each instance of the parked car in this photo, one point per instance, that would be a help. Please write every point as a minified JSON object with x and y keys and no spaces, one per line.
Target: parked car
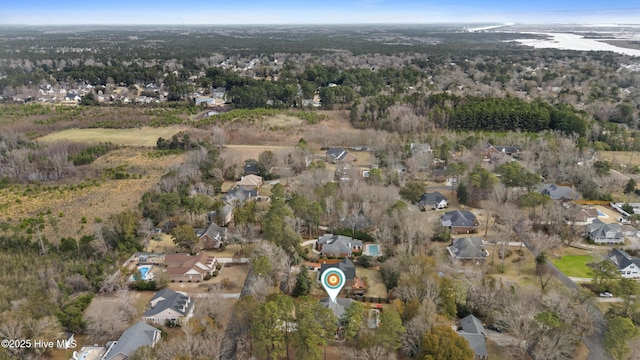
{"x":495,"y":328}
{"x":606,"y":294}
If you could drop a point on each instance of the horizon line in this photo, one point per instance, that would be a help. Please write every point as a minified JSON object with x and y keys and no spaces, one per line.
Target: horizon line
{"x":333,"y":24}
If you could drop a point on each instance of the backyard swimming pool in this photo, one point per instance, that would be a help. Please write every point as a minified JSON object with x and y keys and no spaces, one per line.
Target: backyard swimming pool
{"x":144,"y":273}
{"x":601,"y":214}
{"x":373,"y":250}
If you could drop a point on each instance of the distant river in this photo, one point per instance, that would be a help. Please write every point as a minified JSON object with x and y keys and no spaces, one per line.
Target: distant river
{"x":565,"y":41}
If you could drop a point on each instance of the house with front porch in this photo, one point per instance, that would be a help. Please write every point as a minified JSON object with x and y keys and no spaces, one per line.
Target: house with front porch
{"x":602,"y":233}
{"x":628,"y":266}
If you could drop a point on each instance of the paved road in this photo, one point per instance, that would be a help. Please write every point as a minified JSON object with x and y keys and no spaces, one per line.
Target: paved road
{"x":593,"y":342}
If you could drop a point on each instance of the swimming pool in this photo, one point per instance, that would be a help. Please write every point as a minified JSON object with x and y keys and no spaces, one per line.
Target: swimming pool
{"x":373,"y":250}
{"x":601,"y":214}
{"x":144,"y":273}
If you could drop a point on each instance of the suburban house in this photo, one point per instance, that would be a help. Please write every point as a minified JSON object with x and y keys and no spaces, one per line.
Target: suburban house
{"x":353,"y":283}
{"x":420,"y":148}
{"x":468,"y":249}
{"x":169,"y":306}
{"x":473,"y":331}
{"x":628,"y":266}
{"x":335,"y":155}
{"x":338,"y":245}
{"x":585,"y":216}
{"x":139,"y":335}
{"x":238,"y":196}
{"x":460,"y":221}
{"x":337,"y":307}
{"x":225,"y":216}
{"x":249,"y":182}
{"x":602,"y":233}
{"x":184,"y":267}
{"x":251,"y":168}
{"x":433,"y":200}
{"x":491,"y":150}
{"x":213,"y":237}
{"x":559,"y":192}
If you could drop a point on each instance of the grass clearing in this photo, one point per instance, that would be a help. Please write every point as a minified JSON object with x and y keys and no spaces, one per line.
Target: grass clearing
{"x":145,"y":136}
{"x":575,"y":265}
{"x":375,"y":286}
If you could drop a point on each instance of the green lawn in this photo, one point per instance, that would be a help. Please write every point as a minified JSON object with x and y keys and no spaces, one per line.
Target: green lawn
{"x":574,"y":265}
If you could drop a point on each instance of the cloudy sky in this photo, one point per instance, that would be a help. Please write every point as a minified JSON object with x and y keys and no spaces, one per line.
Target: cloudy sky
{"x":37,"y":12}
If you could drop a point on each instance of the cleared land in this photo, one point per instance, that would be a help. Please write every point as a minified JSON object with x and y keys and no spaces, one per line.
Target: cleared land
{"x":72,"y":210}
{"x":375,"y":286}
{"x":575,"y":265}
{"x":626,"y":158}
{"x":145,"y":136}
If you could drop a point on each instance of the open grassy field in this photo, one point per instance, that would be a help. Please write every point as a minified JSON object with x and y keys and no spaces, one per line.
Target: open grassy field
{"x":375,"y":286}
{"x":245,"y":152}
{"x":575,"y":265}
{"x":72,"y":210}
{"x":145,"y":136}
{"x":627,"y":158}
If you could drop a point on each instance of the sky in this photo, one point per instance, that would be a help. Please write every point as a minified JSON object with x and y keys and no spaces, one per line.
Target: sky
{"x":143,"y":12}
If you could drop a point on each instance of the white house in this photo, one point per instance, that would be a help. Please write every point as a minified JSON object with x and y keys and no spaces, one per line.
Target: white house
{"x":628,"y":266}
{"x":602,"y":233}
{"x":433,"y":200}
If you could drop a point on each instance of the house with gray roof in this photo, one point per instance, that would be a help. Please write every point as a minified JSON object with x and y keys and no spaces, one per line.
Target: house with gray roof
{"x":337,"y":307}
{"x":602,"y":233}
{"x":239,"y":195}
{"x":558,"y":192}
{"x":628,"y":266}
{"x":338,"y":245}
{"x":346,"y":265}
{"x":473,"y":331}
{"x":335,"y":155}
{"x":169,"y":306}
{"x":139,"y":335}
{"x":468,"y":249}
{"x":433,"y":200}
{"x":498,"y":149}
{"x":213,"y":237}
{"x":460,"y":221}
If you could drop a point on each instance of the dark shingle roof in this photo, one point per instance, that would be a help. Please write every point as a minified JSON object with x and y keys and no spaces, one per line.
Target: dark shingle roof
{"x":458,"y":218}
{"x":597,"y":230}
{"x":169,"y":299}
{"x":337,"y":244}
{"x":346,"y":265}
{"x":472,"y":324}
{"x":337,"y":307}
{"x":139,"y":335}
{"x":337,"y":153}
{"x":467,"y":248}
{"x":622,"y":259}
{"x":431,"y":198}
{"x":239,"y":194}
{"x":558,"y":192}
{"x":476,"y":342}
